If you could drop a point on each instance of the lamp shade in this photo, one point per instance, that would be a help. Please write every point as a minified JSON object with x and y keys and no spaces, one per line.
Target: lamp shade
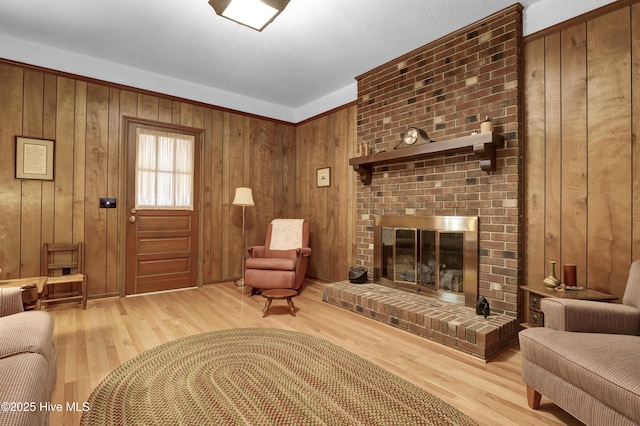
{"x":244,"y":197}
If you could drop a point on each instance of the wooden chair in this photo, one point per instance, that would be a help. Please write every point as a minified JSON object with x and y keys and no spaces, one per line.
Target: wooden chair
{"x":63,"y":264}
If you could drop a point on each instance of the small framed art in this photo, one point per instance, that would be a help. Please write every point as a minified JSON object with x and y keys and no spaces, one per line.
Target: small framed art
{"x":34,"y":158}
{"x":323,"y":177}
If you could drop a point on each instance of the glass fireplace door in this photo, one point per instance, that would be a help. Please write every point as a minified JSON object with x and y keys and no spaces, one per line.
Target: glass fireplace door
{"x":435,"y":256}
{"x":422,"y":259}
{"x":406,"y":243}
{"x":428,"y":265}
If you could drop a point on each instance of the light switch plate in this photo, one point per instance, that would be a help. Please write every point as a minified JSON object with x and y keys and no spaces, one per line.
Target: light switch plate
{"x":107,"y":203}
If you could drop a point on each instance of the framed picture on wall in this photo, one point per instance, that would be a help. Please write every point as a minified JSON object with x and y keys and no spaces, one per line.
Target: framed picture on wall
{"x":34,"y":158}
{"x":323,"y":177}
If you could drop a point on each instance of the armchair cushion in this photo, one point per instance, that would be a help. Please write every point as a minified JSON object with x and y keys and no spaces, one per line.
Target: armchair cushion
{"x":271,"y":263}
{"x":566,"y":367}
{"x":590,"y":317}
{"x":286,"y":234}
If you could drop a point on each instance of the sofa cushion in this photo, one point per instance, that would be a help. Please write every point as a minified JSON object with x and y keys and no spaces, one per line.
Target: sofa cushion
{"x":606,"y":366}
{"x":22,"y":381}
{"x":30,"y":331}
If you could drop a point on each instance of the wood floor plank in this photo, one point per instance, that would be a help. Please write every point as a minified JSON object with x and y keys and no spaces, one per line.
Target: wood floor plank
{"x":93,"y":342}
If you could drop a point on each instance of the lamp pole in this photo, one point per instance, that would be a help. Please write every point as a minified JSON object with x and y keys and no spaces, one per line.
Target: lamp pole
{"x":244,"y":198}
{"x":241,"y":282}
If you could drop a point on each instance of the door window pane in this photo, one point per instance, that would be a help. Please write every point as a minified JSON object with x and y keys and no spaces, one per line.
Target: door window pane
{"x":164,"y":170}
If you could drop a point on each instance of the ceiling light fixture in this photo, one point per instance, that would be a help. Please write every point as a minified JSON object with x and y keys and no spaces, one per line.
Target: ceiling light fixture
{"x":256,"y":14}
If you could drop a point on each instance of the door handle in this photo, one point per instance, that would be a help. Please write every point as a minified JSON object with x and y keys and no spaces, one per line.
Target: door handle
{"x":132,"y":219}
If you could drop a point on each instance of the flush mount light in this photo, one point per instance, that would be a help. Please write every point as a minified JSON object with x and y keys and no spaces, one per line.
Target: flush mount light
{"x":256,"y":14}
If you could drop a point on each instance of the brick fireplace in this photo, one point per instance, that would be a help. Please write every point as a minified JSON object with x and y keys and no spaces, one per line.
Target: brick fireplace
{"x":447,"y":88}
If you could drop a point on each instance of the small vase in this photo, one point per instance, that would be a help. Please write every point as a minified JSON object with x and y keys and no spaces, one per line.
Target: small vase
{"x":552,"y":280}
{"x":486,"y":126}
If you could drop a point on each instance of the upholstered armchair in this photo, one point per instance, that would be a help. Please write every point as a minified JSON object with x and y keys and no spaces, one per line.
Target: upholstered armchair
{"x":585,"y":358}
{"x":282,"y":261}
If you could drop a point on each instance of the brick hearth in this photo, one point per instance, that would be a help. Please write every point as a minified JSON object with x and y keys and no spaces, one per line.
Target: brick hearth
{"x":456,"y":326}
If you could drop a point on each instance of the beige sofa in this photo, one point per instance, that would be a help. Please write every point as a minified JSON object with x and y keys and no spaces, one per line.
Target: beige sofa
{"x":586,"y":358}
{"x":27,"y":361}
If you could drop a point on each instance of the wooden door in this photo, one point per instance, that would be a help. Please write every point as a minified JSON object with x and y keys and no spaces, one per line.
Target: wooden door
{"x":162,"y":243}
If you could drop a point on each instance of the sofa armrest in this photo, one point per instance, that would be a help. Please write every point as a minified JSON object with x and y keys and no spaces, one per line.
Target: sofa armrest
{"x":10,"y":301}
{"x":589,"y":316}
{"x":256,"y":251}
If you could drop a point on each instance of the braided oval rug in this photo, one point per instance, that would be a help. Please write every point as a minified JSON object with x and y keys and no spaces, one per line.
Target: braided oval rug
{"x":260,"y":376}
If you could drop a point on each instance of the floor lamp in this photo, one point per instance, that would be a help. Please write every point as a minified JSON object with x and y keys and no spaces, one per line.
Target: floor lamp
{"x":244,"y":198}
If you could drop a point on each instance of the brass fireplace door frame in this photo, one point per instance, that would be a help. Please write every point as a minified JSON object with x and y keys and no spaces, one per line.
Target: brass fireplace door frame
{"x":467,"y":225}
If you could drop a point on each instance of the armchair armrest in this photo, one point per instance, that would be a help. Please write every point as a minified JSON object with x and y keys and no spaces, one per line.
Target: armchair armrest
{"x":304,"y":252}
{"x":256,"y":251}
{"x":589,"y":316}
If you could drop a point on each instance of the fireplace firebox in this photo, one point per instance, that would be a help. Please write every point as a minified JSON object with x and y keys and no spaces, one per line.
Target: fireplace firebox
{"x":431,"y":255}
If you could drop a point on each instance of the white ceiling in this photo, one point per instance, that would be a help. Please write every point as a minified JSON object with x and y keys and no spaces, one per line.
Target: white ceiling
{"x":312,"y":49}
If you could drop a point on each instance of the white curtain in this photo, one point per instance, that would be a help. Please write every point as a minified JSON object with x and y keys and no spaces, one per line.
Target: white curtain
{"x":164,"y":170}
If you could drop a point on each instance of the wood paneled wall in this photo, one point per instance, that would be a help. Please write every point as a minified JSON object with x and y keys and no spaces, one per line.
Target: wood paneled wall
{"x":329,"y":141}
{"x":85,"y":118}
{"x":582,"y":155}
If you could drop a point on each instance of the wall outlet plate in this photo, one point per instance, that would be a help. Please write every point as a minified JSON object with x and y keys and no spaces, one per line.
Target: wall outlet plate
{"x":107,"y":203}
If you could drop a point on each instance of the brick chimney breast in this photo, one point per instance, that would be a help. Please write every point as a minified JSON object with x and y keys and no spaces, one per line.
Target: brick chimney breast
{"x":446,"y":88}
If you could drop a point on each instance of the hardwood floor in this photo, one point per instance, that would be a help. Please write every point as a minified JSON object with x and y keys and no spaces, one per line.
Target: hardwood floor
{"x":91,"y":343}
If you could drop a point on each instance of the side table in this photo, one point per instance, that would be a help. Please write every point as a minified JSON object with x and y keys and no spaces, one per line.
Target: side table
{"x":534,"y":317}
{"x":279,"y":294}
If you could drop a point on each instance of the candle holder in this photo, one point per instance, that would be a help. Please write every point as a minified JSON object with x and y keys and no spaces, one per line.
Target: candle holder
{"x":569,"y":275}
